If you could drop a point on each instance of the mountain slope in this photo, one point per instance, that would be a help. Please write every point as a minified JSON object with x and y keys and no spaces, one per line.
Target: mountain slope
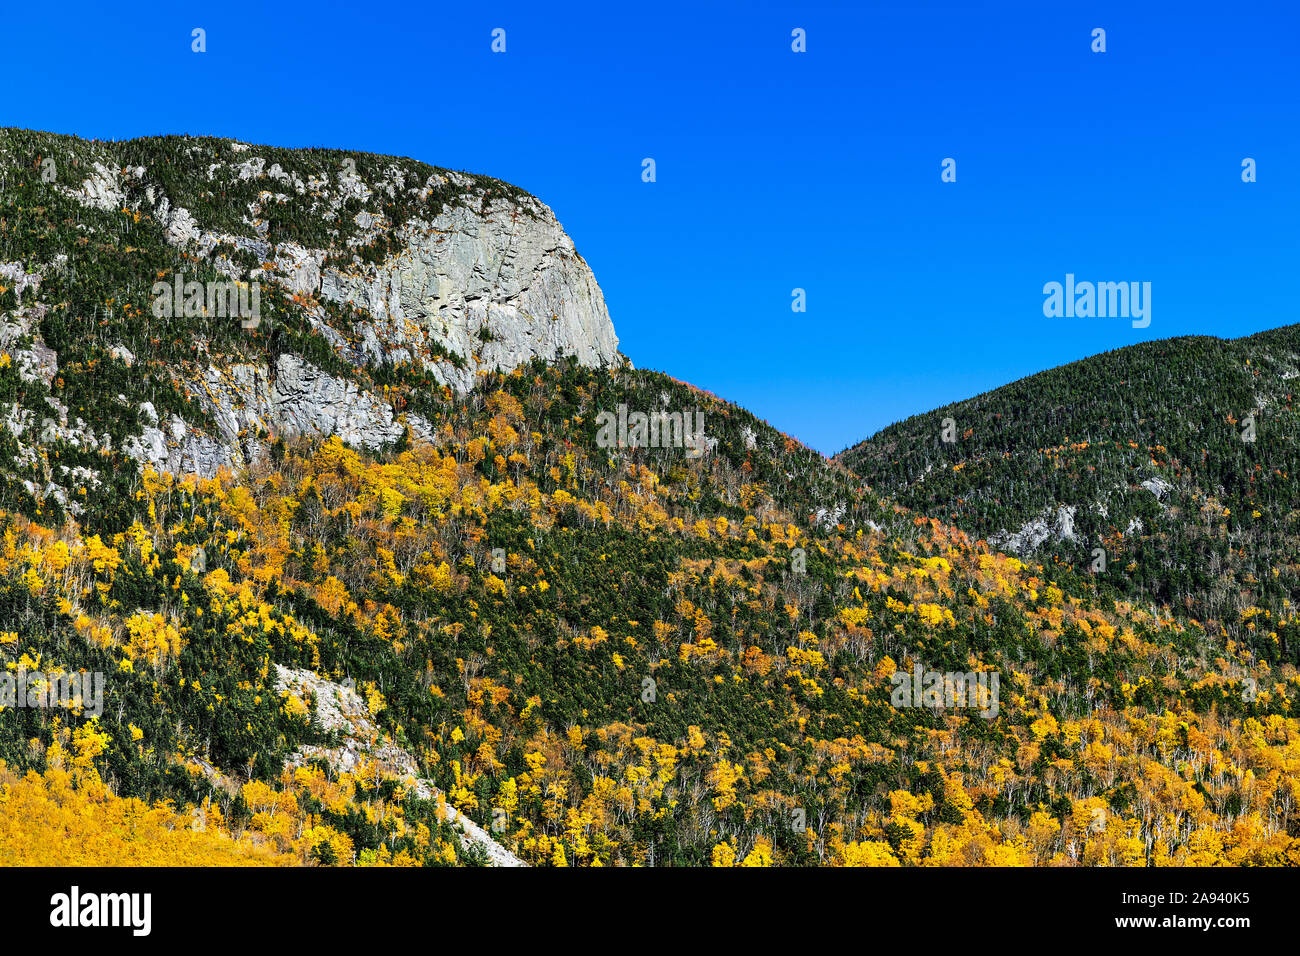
{"x":519,"y":679}
{"x":376,"y":279}
{"x":602,"y":652}
{"x":1168,"y":467}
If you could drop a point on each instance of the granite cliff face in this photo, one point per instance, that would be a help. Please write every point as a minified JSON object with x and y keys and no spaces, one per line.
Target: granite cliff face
{"x":385,"y":263}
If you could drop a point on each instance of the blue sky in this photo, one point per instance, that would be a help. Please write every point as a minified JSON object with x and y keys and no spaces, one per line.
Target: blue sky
{"x":777,"y":170}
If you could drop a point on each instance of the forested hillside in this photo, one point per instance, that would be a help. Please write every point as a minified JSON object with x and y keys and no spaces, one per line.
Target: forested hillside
{"x":523,"y":685}
{"x":1167,"y":471}
{"x":602,"y":655}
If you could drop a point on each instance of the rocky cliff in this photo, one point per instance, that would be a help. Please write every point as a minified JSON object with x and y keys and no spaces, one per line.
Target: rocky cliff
{"x":377,"y":277}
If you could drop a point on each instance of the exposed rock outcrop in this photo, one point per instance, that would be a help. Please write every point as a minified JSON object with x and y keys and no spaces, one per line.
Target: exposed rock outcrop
{"x":340,"y":708}
{"x":1055,"y":525}
{"x":416,"y":266}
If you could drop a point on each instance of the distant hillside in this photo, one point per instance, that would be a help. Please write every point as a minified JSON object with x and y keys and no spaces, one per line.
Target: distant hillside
{"x":1143,"y":452}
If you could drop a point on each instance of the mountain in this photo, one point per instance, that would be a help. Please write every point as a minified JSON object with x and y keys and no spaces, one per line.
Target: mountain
{"x":374,"y":275}
{"x":1167,"y":471}
{"x":365,"y":575}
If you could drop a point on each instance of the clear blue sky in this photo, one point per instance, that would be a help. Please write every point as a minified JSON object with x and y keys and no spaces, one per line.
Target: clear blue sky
{"x":777,"y":170}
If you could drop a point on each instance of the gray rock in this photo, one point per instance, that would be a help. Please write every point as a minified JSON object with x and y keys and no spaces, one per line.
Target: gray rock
{"x":495,"y":284}
{"x":340,"y":708}
{"x":1055,"y":525}
{"x":1158,"y":487}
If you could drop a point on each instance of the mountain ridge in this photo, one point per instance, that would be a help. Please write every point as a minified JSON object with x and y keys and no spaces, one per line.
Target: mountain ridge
{"x":380,"y":268}
{"x":1168,"y":465}
{"x":604,"y":653}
